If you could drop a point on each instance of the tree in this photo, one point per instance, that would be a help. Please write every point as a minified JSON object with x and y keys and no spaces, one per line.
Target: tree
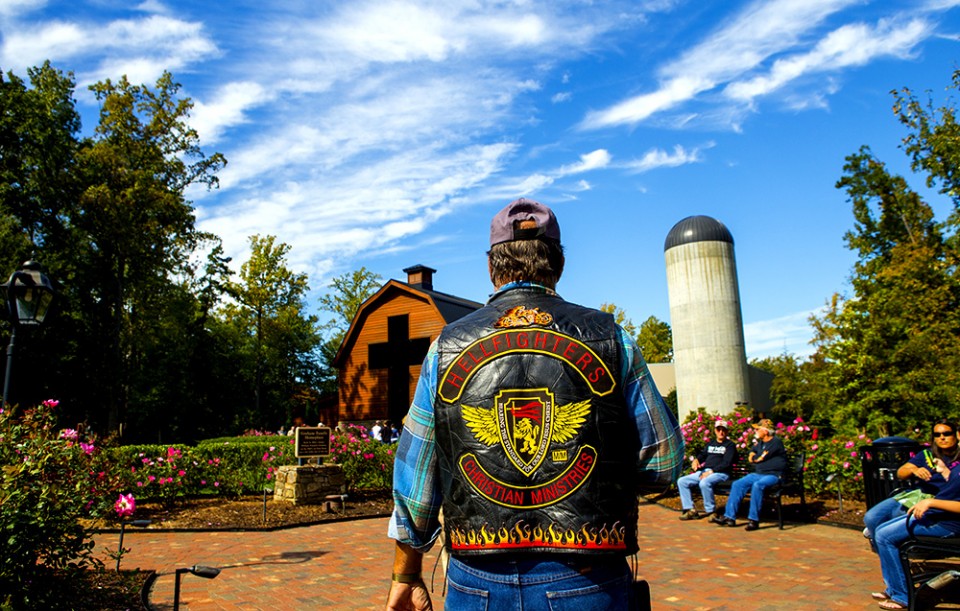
{"x":656,"y":341}
{"x":137,"y":227}
{"x":38,"y":142}
{"x":347,"y":294}
{"x":892,"y":347}
{"x":620,"y":317}
{"x":796,"y":390}
{"x":279,"y":339}
{"x":38,"y":193}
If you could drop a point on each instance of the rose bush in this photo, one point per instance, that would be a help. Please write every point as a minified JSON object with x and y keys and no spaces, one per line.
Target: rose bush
{"x":837,"y":456}
{"x":49,"y":479}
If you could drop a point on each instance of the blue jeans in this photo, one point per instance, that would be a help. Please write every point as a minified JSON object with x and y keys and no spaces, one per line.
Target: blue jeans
{"x":687,"y":483}
{"x":889,"y":537}
{"x":539,"y":585}
{"x":884,"y":511}
{"x":755,"y":483}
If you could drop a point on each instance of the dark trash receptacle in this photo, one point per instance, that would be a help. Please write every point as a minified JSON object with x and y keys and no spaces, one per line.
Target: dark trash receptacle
{"x":880,"y":461}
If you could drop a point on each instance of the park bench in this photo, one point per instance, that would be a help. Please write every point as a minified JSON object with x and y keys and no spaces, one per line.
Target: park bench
{"x":932,"y":567}
{"x":791,"y":482}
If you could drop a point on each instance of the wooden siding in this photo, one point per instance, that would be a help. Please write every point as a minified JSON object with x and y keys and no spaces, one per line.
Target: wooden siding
{"x":363,"y":392}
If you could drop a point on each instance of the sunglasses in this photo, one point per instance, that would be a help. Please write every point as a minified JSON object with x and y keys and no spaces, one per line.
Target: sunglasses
{"x":943,"y":433}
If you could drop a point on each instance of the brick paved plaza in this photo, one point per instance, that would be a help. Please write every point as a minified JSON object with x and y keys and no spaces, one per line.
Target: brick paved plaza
{"x":346,"y":565}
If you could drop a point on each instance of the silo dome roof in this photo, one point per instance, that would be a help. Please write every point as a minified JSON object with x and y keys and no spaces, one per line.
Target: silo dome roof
{"x":697,"y":229}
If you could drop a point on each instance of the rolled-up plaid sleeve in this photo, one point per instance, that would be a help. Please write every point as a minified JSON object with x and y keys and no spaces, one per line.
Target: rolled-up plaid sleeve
{"x":660,"y":460}
{"x":416,"y":487}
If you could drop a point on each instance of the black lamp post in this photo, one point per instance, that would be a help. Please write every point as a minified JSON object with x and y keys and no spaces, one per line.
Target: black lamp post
{"x":207,"y":572}
{"x":29,"y":295}
{"x":123,"y":525}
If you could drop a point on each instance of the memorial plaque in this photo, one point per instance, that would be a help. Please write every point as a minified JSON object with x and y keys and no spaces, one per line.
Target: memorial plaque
{"x":312,"y":441}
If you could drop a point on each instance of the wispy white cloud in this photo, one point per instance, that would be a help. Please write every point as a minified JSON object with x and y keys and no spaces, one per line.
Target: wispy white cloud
{"x":227,"y":108}
{"x":658,"y":158}
{"x":333,"y":215}
{"x":790,"y":334}
{"x":594,"y":160}
{"x":139,"y":48}
{"x":850,"y":45}
{"x":763,"y":29}
{"x":11,"y":8}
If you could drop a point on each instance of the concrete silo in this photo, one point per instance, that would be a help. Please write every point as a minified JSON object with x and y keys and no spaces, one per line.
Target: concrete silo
{"x":710,"y":361}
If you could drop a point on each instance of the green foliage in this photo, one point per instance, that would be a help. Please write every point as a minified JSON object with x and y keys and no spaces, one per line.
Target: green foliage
{"x":654,"y":336}
{"x":216,"y":467}
{"x":620,"y":317}
{"x":278,"y":341}
{"x":347,"y":294}
{"x":892,"y":348}
{"x":134,"y":221}
{"x":796,"y":390}
{"x":49,"y":479}
{"x":656,"y":341}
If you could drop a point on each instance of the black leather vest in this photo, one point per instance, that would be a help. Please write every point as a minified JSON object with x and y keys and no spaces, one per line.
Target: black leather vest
{"x":536,"y":449}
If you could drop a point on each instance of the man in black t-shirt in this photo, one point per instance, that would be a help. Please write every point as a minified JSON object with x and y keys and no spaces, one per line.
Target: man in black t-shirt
{"x":710,"y":467}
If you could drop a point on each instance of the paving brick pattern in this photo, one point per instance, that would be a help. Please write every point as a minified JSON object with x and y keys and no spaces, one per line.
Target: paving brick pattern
{"x":695,"y":566}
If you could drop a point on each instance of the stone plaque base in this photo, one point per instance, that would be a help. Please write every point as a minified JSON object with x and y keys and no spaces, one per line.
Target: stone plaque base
{"x":308,"y":484}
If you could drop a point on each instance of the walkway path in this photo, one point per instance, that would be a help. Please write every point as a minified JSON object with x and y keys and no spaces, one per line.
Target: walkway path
{"x":346,"y":565}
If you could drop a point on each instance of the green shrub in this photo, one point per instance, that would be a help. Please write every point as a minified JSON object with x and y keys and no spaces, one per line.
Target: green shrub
{"x":227,"y":466}
{"x":251,"y":461}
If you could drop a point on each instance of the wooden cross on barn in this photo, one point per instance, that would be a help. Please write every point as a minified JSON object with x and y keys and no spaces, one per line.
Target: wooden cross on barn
{"x":397,"y":355}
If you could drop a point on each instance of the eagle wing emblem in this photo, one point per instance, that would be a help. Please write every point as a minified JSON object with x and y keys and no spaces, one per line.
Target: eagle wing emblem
{"x":483,"y":423}
{"x":568,"y":419}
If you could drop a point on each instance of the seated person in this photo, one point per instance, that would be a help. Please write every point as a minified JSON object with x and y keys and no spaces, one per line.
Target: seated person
{"x":769,"y":460}
{"x":943,"y":446}
{"x":936,"y":517}
{"x":710,"y":467}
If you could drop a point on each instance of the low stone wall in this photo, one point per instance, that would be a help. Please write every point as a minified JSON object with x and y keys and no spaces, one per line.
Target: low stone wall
{"x":308,"y":484}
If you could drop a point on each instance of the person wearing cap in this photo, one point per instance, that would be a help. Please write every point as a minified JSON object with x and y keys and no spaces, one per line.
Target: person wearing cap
{"x":769,"y":459}
{"x":710,"y":467}
{"x":534,"y":425}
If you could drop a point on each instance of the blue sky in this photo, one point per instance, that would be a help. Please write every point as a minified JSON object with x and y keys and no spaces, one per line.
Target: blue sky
{"x":387,"y":133}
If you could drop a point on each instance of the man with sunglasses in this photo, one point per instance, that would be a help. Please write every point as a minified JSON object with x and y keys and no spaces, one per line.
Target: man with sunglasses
{"x":710,"y":467}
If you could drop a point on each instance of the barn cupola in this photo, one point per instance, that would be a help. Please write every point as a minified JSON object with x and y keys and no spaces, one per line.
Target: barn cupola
{"x":420,"y":276}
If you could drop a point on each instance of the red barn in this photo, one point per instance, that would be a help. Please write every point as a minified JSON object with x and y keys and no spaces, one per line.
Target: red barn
{"x":380,"y":357}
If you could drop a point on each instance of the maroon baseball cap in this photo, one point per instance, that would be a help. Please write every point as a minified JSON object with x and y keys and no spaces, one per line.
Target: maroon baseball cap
{"x":514,"y":222}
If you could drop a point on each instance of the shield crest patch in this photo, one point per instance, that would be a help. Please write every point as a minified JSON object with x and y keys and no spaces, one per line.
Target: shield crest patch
{"x":525,"y":421}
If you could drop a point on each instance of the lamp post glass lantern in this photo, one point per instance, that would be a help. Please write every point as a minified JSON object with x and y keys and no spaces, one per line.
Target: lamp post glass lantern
{"x":29,"y":295}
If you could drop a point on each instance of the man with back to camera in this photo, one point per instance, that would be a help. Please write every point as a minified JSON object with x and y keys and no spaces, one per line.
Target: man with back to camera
{"x":710,"y":467}
{"x":769,"y":459}
{"x":534,"y":424}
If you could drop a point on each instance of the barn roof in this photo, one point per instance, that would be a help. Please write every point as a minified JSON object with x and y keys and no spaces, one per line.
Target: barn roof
{"x":450,"y":308}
